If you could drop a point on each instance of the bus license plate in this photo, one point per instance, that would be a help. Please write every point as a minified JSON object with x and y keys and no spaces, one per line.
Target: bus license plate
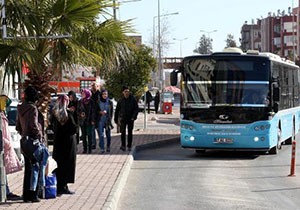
{"x":223,"y":140}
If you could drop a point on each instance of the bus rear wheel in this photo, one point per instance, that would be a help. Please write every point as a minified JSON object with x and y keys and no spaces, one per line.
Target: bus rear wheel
{"x":274,"y":150}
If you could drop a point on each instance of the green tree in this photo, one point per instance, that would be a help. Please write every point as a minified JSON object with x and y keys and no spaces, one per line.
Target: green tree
{"x":230,"y":42}
{"x":135,"y":73}
{"x":33,"y":27}
{"x":204,"y":45}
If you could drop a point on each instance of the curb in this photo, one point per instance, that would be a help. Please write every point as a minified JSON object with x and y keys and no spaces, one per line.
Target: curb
{"x":114,"y":195}
{"x":155,"y":144}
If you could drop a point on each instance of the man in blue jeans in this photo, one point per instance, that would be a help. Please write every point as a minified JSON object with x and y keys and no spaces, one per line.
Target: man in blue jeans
{"x":105,"y":111}
{"x":95,"y":97}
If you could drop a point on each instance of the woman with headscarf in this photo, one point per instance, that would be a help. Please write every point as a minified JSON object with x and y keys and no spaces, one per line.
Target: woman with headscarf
{"x":30,"y":125}
{"x":73,"y":104}
{"x":86,"y":115}
{"x":64,"y":146}
{"x":105,"y":111}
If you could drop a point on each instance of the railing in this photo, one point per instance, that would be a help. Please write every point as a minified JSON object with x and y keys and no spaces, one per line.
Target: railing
{"x":172,"y":62}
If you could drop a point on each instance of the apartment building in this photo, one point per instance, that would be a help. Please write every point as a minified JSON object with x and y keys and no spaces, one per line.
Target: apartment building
{"x":275,"y":33}
{"x":251,"y":36}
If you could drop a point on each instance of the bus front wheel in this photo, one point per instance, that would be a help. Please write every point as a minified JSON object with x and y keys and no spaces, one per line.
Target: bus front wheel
{"x":200,"y":151}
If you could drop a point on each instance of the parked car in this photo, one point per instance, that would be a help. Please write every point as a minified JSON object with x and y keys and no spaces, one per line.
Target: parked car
{"x":11,"y":113}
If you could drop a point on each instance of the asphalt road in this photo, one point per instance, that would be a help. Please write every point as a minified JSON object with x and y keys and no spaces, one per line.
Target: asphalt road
{"x":172,"y":178}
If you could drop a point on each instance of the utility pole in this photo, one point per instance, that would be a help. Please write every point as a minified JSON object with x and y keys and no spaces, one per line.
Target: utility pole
{"x":2,"y":168}
{"x":114,"y":10}
{"x":160,"y":68}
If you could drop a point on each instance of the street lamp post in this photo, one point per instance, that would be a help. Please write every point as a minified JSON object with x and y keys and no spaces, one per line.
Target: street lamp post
{"x":115,"y":7}
{"x":163,"y":15}
{"x":180,"y":42}
{"x":293,"y":30}
{"x":160,"y":69}
{"x":208,"y":32}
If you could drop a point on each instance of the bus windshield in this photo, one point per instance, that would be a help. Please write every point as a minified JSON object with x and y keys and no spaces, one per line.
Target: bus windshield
{"x":234,"y":81}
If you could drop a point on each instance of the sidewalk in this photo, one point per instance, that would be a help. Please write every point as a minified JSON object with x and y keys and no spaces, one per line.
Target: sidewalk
{"x":100,"y":177}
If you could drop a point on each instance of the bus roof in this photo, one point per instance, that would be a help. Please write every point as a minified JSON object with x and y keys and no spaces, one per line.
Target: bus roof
{"x":234,"y":51}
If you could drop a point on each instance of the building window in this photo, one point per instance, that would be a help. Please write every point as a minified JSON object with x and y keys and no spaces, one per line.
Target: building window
{"x":288,"y":40}
{"x":277,"y":28}
{"x":277,"y":41}
{"x":288,"y":27}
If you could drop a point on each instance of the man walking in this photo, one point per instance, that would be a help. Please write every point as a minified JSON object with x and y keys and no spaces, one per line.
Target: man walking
{"x":148,"y":100}
{"x":95,"y":90}
{"x":126,"y":111}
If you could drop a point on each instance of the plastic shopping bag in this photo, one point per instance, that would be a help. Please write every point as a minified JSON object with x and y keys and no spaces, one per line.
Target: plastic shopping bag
{"x":50,"y":186}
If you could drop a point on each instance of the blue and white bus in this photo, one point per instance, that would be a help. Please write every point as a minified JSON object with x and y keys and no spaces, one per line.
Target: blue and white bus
{"x":238,"y":101}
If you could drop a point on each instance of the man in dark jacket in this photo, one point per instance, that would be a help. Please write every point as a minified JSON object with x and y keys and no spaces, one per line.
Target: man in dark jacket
{"x":95,"y":90}
{"x":126,"y":111}
{"x":149,"y":98}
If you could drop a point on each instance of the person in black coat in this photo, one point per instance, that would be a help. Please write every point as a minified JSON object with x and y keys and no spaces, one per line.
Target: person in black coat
{"x":126,"y":113}
{"x":156,"y":101}
{"x":65,"y":145}
{"x":148,"y":100}
{"x":87,"y":118}
{"x":73,"y":105}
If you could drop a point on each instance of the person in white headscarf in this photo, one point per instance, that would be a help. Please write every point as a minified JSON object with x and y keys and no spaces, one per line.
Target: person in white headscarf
{"x":65,"y":144}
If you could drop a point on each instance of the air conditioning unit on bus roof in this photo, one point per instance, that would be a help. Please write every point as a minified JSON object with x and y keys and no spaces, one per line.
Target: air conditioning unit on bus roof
{"x":232,"y":50}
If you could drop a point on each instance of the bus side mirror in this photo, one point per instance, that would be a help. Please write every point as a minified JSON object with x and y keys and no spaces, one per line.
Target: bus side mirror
{"x":173,"y":78}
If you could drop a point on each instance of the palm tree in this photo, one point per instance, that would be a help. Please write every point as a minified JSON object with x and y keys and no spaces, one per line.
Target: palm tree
{"x":48,"y":35}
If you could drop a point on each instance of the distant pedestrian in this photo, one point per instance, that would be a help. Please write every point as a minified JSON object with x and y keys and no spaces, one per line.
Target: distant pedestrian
{"x":95,"y":90}
{"x":105,"y":110}
{"x":65,"y":145}
{"x":156,"y":101}
{"x":126,"y":112}
{"x":149,"y":99}
{"x":86,"y":115}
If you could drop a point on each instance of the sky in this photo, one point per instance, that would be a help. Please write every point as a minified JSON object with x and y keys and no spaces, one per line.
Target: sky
{"x":224,"y":16}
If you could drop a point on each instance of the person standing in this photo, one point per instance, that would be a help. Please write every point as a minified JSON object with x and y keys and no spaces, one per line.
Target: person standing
{"x":95,"y":97}
{"x":105,"y":106}
{"x":86,"y":115}
{"x":148,"y":100}
{"x":65,"y":145}
{"x":30,"y":123}
{"x":156,"y":101}
{"x":11,"y":160}
{"x":127,"y":110}
{"x":73,"y":104}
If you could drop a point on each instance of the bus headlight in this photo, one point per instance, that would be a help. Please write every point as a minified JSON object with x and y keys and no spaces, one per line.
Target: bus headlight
{"x":192,"y":138}
{"x":188,"y":127}
{"x":261,"y":127}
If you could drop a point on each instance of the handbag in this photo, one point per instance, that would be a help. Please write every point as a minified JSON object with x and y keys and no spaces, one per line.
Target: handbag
{"x":50,"y":186}
{"x":29,"y":146}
